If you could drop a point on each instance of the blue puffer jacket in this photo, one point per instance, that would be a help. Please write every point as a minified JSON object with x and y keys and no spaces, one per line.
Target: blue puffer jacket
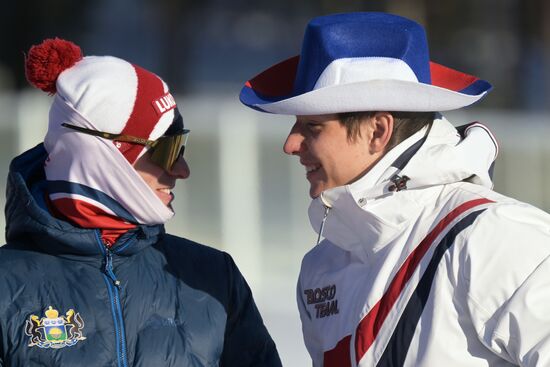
{"x":151,"y":300}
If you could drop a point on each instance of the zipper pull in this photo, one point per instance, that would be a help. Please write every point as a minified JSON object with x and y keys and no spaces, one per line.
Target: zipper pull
{"x":327,"y":208}
{"x":109,"y":268}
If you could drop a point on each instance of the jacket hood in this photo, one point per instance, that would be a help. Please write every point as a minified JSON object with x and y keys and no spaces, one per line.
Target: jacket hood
{"x":375,"y":208}
{"x":27,"y":216}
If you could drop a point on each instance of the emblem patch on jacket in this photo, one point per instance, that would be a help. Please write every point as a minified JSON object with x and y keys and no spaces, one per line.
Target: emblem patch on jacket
{"x":54,"y":331}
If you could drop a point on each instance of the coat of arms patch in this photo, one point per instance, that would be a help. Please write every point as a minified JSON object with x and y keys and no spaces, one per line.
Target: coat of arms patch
{"x":54,"y":331}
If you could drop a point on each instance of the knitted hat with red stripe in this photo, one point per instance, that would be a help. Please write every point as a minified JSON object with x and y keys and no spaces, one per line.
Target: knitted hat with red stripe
{"x":91,"y":180}
{"x":112,"y":94}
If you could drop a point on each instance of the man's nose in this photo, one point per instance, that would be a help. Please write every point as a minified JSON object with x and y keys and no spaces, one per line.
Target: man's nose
{"x":294,"y":143}
{"x":180,"y":168}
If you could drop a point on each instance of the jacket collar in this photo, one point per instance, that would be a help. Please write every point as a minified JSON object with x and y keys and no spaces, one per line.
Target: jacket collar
{"x":366,"y":215}
{"x":27,"y":219}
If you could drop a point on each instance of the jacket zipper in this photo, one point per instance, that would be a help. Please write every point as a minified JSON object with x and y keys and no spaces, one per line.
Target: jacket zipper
{"x":113,"y":287}
{"x":321,"y":230}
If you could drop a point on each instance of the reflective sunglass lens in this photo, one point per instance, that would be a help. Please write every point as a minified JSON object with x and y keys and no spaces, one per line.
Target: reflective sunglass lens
{"x":168,"y":150}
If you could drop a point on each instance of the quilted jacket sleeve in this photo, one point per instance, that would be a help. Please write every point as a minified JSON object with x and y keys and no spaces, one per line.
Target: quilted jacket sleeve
{"x":247,"y":341}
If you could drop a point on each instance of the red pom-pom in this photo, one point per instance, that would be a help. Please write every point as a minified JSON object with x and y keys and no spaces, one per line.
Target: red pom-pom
{"x":47,"y":60}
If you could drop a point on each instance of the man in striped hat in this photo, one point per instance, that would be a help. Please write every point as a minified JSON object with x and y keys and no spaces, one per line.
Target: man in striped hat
{"x":88,"y":275}
{"x":418,"y":262}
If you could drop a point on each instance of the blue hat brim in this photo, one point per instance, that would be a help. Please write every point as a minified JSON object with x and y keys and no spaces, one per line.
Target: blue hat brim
{"x":268,"y":91}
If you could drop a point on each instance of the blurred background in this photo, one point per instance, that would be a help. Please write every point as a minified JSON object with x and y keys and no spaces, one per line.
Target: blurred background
{"x":244,"y":195}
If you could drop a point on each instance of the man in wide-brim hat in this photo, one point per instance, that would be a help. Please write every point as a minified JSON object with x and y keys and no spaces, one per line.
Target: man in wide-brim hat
{"x":418,"y":262}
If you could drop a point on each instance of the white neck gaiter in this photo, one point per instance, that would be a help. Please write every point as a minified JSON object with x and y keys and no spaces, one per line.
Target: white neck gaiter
{"x":89,"y":177}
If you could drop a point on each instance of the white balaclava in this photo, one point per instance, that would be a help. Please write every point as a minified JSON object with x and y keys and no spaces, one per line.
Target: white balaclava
{"x":91,"y":180}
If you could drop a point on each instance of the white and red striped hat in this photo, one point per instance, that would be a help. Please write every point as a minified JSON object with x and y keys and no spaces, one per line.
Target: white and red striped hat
{"x":112,"y":94}
{"x":91,"y":180}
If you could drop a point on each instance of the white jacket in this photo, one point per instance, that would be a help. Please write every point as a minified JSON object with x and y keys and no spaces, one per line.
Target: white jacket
{"x":442,"y":272}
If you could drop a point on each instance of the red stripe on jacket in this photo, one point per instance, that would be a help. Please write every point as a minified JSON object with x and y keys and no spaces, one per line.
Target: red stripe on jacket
{"x":370,"y":325}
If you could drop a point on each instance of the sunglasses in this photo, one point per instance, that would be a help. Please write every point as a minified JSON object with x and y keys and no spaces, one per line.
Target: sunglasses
{"x":165,"y":151}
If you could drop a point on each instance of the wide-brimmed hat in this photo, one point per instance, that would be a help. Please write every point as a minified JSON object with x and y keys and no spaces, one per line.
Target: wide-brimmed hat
{"x":361,"y":62}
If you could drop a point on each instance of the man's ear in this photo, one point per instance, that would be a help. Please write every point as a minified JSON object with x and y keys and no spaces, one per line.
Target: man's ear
{"x":381,"y":126}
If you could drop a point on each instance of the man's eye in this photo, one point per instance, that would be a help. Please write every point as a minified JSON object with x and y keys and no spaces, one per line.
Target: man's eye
{"x":313,"y":126}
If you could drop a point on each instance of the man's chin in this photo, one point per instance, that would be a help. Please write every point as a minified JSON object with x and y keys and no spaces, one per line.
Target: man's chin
{"x":315,"y":191}
{"x":169,"y":205}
